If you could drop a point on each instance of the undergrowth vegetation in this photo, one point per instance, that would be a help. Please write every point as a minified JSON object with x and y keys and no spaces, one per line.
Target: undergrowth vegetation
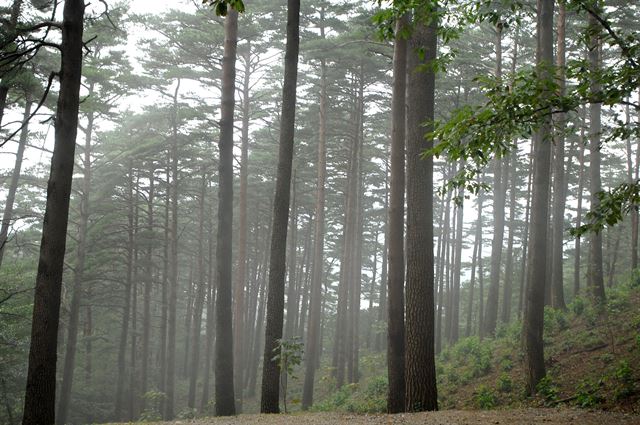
{"x":592,"y":354}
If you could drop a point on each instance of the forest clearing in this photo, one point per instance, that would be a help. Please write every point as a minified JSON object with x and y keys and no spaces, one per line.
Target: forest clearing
{"x":332,"y":211}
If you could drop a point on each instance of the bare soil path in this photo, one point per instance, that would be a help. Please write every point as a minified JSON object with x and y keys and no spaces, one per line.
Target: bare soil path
{"x":446,"y":417}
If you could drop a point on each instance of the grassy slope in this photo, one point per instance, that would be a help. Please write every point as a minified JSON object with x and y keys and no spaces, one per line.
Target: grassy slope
{"x":593,"y":361}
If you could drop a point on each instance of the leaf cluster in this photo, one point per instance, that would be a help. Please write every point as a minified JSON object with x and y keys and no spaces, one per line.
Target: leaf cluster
{"x":222,"y":6}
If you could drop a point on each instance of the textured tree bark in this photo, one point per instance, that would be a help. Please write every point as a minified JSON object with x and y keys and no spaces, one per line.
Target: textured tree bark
{"x":269,"y":402}
{"x":40,"y":396}
{"x":595,"y":128}
{"x":225,"y":392}
{"x":395,"y":284}
{"x":78,"y":276}
{"x":7,"y":215}
{"x":312,"y":352}
{"x":559,"y":181}
{"x":533,"y":322}
{"x":421,"y":393}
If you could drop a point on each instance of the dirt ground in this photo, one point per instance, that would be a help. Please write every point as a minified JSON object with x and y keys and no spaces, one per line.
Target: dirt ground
{"x":447,"y":417}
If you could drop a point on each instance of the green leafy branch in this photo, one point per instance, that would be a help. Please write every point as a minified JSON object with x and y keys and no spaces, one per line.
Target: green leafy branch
{"x":222,"y":6}
{"x":612,"y":207}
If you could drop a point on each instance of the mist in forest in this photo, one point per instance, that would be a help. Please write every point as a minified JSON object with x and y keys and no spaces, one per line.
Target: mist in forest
{"x":225,"y":207}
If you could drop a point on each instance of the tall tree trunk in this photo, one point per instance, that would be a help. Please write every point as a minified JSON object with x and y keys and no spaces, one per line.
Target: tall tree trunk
{"x":382,"y":303}
{"x":533,"y":322}
{"x":355,"y":277}
{"x":269,"y":402}
{"x":595,"y":128}
{"x":581,"y":178}
{"x":200,"y":296}
{"x":477,"y":252}
{"x":499,"y":198}
{"x":7,"y":215}
{"x":210,"y":335}
{"x":559,"y":181}
{"x":164,"y":311}
{"x":421,"y":393}
{"x":292,"y":260}
{"x":525,"y":236}
{"x":148,"y":286}
{"x":457,"y":271}
{"x":78,"y":276}
{"x":630,"y":180}
{"x":312,"y":353}
{"x":133,"y":375}
{"x":443,"y":260}
{"x":241,"y":277}
{"x":395,"y":284}
{"x":40,"y":396}
{"x":126,"y":315}
{"x":225,"y":392}
{"x":508,"y":271}
{"x":172,"y":304}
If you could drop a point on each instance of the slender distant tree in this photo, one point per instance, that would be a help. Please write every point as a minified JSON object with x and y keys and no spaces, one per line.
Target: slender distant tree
{"x":7,"y":215}
{"x":39,"y":405}
{"x":315,"y":304}
{"x":499,"y":198}
{"x":270,"y":396}
{"x":559,"y":179}
{"x":596,"y":277}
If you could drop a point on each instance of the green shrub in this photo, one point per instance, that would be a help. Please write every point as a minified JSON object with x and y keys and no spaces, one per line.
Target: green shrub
{"x":485,"y":398}
{"x":624,"y":381}
{"x":377,"y":387}
{"x":547,"y":389}
{"x":153,"y":400}
{"x":554,"y":320}
{"x":577,"y":306}
{"x":506,"y":365}
{"x":588,"y":393}
{"x":504,"y":383}
{"x":187,"y":413}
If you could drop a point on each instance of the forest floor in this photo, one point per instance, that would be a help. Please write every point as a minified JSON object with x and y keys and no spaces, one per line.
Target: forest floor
{"x":445,"y":417}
